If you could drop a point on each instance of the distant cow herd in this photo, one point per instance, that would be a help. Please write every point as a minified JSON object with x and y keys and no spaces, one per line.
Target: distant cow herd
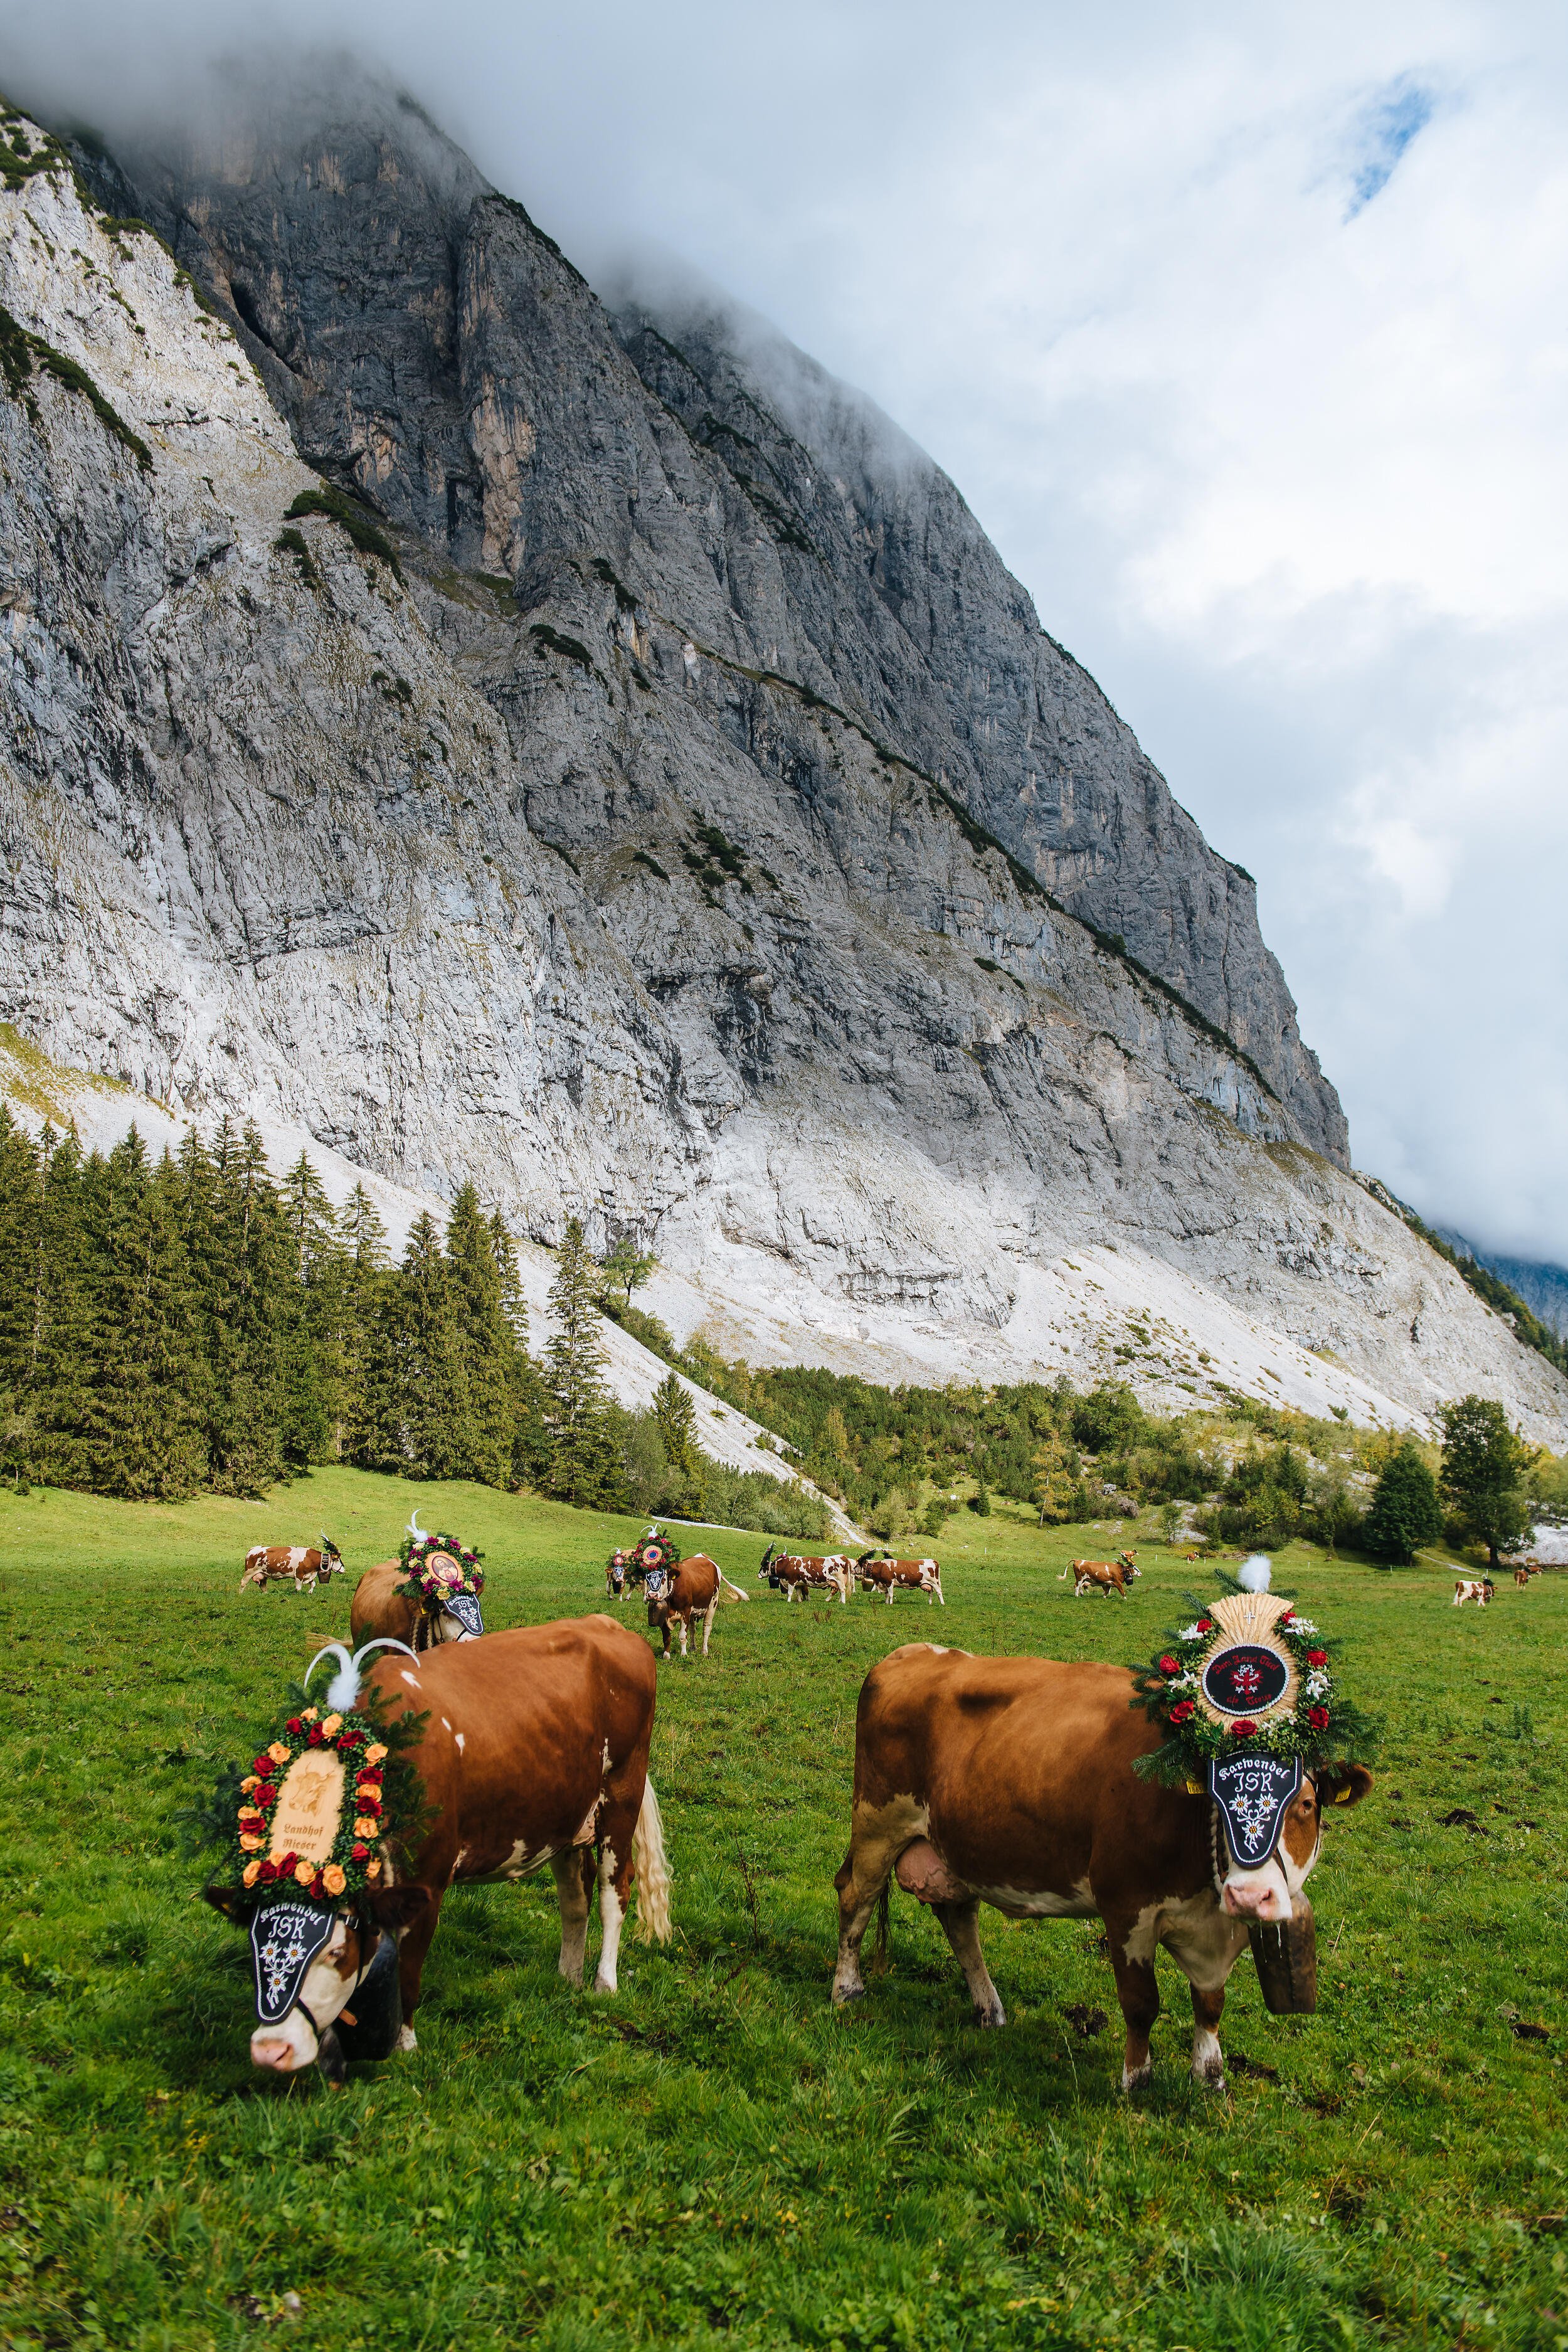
{"x":1002,"y":1780}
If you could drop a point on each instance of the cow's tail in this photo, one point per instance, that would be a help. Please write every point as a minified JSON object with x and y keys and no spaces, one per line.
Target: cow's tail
{"x":1063,"y":1577}
{"x":730,"y":1591}
{"x":877,"y":1966}
{"x":652,"y":1868}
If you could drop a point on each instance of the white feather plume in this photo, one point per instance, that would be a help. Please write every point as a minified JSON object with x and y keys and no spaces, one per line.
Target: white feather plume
{"x":1254,"y":1574}
{"x":344,"y":1688}
{"x":414,"y":1529}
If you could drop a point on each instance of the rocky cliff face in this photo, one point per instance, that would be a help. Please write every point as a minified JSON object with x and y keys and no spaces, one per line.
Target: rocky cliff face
{"x":663,"y":805}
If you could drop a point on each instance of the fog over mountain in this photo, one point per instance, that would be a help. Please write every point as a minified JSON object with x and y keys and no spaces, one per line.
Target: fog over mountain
{"x":585,"y":744}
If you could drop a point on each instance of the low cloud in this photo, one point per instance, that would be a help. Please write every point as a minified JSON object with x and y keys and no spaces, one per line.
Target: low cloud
{"x":1243,"y":333}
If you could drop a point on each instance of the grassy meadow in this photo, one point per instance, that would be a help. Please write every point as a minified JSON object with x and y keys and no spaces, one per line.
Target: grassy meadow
{"x":715,"y":2156}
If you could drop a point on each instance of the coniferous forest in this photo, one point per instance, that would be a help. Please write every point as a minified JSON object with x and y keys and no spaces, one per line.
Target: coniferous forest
{"x":190,"y":1324}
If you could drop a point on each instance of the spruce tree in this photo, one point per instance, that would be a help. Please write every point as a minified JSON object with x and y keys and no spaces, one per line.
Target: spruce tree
{"x":530,"y":1434}
{"x":677,"y":1418}
{"x":311,"y":1352}
{"x":370,"y":1435}
{"x":489,"y":1407}
{"x":1405,"y":1512}
{"x":430,"y":1368}
{"x":142,"y":1437}
{"x":583,"y":1467}
{"x":63,"y":1347}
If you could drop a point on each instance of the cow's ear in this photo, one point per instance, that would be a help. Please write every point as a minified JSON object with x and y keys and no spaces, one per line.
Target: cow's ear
{"x":394,"y":1907}
{"x":1344,"y":1784}
{"x":225,"y":1899}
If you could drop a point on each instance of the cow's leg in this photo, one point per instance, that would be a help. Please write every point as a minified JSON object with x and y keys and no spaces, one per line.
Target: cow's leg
{"x":1209,"y":2008}
{"x":960,"y":1923}
{"x":572,"y":1871}
{"x":1139,"y":1996}
{"x":412,"y":1946}
{"x":708,"y":1623}
{"x":875,"y":1845}
{"x":684,"y":1621}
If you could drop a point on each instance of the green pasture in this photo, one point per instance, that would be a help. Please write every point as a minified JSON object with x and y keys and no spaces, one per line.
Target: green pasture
{"x":715,"y":2156}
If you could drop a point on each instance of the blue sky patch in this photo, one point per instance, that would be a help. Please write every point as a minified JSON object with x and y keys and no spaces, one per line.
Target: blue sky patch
{"x":1384,"y":132}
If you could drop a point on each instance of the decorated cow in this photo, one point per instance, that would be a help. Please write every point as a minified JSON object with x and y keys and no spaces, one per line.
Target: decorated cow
{"x":802,"y":1572}
{"x":1181,"y":1802}
{"x":479,"y":1761}
{"x":427,"y":1595}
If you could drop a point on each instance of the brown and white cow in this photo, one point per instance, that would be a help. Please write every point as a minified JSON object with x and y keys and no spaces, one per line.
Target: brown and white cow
{"x":1101,"y":1576}
{"x":1010,"y":1782}
{"x":302,"y":1565}
{"x":692,"y":1588}
{"x":379,"y":1612}
{"x":534,"y":1751}
{"x":1481,"y":1590}
{"x":791,"y":1572}
{"x":879,"y":1573}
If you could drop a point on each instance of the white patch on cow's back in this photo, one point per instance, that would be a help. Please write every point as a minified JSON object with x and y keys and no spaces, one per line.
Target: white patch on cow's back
{"x":412,"y":1680}
{"x":445,"y":1726}
{"x":461,"y":1742}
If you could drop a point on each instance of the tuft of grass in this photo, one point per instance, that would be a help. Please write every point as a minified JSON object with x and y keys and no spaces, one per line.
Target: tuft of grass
{"x":294,"y":544}
{"x":350,"y":515}
{"x":715,"y":2155}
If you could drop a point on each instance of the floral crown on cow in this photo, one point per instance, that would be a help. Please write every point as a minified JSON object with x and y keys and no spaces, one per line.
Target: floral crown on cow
{"x":437,"y":1566}
{"x":1248,"y":1678}
{"x":321,"y":1806}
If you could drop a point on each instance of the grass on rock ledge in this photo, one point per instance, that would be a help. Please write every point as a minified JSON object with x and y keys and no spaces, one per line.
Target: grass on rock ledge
{"x":715,"y":2156}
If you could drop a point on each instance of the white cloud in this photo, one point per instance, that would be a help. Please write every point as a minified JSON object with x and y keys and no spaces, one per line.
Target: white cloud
{"x":1244,"y":333}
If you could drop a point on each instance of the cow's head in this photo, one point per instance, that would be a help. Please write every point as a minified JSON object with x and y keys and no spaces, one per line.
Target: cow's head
{"x":331,"y":1558}
{"x":455,"y":1615}
{"x":1269,"y":1891}
{"x":767,"y":1560}
{"x":303,"y":2035}
{"x":658,"y":1585}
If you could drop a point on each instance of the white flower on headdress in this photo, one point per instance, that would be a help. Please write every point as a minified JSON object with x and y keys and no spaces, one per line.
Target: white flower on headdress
{"x":1188,"y":1634}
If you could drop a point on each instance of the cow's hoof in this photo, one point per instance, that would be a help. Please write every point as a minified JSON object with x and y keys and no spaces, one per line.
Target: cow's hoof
{"x":989,"y":2014}
{"x":843,"y":1994}
{"x":1138,"y":2078}
{"x":405,"y":2039}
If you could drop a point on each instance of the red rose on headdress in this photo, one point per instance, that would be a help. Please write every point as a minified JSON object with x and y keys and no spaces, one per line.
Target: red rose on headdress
{"x":1180,"y":1712}
{"x":1245,"y":1728}
{"x":261,"y":1764}
{"x":350,"y":1738}
{"x":267,"y":1870}
{"x":1317,"y":1657}
{"x":1206,"y":1624}
{"x":294,"y":1726}
{"x":315,"y":1736}
{"x":1170,"y":1665}
{"x":1318,"y":1716}
{"x":316,"y":1887}
{"x":360,"y":1852}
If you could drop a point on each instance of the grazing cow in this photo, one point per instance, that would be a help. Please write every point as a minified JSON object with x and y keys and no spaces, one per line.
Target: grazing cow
{"x":801,"y":1572}
{"x":534,"y":1751}
{"x":694,"y":1588}
{"x":1476,"y":1588}
{"x":293,"y":1564}
{"x":1101,"y":1576}
{"x":880,"y":1572}
{"x":1010,"y":1782}
{"x":1521,"y":1577}
{"x":378,"y":1611}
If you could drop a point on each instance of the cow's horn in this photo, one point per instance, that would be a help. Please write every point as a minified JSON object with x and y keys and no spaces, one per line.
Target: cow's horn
{"x":413,"y":1528}
{"x":344,"y":1688}
{"x":1253,"y":1575}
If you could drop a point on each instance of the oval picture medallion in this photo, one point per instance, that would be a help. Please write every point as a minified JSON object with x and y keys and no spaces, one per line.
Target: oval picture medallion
{"x":309,"y":1800}
{"x":1244,"y":1678}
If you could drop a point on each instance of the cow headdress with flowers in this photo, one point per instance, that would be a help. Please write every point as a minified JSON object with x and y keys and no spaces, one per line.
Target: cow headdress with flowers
{"x":441,"y":1573}
{"x":1248,"y":1681}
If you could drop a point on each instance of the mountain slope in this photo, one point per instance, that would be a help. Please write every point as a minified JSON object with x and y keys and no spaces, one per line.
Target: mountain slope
{"x":571,"y":826}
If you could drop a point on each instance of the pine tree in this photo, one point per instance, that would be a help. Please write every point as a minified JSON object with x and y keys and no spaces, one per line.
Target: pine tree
{"x":530,"y":1434}
{"x":1405,"y":1512}
{"x":677,"y":1418}
{"x":430,"y":1371}
{"x":235,"y":1229}
{"x":583,"y":1462}
{"x":63,"y":1346}
{"x":21,"y":1223}
{"x":490,"y":1411}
